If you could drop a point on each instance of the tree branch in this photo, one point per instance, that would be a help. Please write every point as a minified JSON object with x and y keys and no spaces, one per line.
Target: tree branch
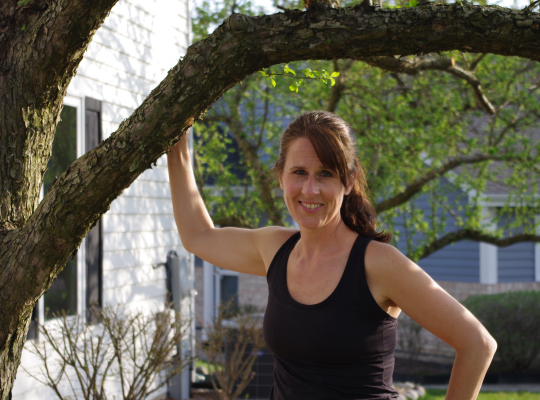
{"x":474,"y":82}
{"x":338,"y":89}
{"x":471,"y":234}
{"x":41,"y":45}
{"x":475,"y":62}
{"x":416,"y":65}
{"x":418,"y":184}
{"x":411,"y":66}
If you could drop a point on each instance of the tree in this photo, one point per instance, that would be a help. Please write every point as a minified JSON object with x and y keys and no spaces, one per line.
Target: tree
{"x":41,"y":45}
{"x":417,"y":120}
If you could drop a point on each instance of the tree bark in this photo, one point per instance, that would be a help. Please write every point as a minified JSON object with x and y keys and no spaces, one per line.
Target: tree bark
{"x":42,"y":44}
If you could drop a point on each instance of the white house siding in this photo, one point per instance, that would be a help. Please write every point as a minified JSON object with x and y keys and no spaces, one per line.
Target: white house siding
{"x":129,"y":55}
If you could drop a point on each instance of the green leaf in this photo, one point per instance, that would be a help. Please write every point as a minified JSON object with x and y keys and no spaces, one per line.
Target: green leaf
{"x":308,"y":73}
{"x":286,"y":69}
{"x":332,"y":81}
{"x":334,"y":74}
{"x":413,"y":3}
{"x":273,"y":82}
{"x":263,"y":73}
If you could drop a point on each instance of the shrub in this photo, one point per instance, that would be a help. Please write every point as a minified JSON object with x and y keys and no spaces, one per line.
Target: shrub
{"x":133,"y":349}
{"x":232,"y":348}
{"x":513,"y":319}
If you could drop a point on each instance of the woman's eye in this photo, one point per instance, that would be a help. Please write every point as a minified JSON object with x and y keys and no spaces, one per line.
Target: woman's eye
{"x":299,"y":172}
{"x":327,"y":174}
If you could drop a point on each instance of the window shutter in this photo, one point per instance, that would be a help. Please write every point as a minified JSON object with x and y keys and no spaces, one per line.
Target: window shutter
{"x":93,"y":242}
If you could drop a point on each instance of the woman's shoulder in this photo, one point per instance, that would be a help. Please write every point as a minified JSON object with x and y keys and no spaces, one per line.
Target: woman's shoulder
{"x":383,"y":258}
{"x":270,"y":239}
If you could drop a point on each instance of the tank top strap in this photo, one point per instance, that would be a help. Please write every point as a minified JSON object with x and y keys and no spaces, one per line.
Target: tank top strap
{"x":363,"y":294}
{"x":278,"y":266}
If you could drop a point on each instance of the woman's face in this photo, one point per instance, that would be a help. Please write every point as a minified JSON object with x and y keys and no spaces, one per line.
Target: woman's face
{"x":313,"y":194}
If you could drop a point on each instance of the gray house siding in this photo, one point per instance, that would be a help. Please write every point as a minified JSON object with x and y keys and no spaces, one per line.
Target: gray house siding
{"x":515,"y":262}
{"x":458,"y":262}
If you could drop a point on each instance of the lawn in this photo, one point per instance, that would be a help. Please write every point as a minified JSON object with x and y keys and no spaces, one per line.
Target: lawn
{"x":437,"y":394}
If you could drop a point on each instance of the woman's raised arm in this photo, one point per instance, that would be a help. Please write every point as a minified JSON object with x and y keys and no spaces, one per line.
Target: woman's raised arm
{"x":243,"y":250}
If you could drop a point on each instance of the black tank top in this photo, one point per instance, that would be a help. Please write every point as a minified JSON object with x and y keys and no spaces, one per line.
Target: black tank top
{"x":341,"y":348}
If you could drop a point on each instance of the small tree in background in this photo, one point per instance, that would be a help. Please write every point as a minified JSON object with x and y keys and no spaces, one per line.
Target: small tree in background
{"x":513,"y":318}
{"x":232,"y":348}
{"x":133,"y":349}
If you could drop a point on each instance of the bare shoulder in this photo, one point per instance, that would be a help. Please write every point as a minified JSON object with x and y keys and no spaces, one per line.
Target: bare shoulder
{"x":383,"y":258}
{"x":270,"y":239}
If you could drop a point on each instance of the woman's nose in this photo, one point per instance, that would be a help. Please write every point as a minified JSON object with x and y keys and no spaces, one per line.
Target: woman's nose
{"x":311,"y":186}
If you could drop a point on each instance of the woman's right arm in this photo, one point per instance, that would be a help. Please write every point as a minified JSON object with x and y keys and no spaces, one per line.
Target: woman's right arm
{"x":243,"y":250}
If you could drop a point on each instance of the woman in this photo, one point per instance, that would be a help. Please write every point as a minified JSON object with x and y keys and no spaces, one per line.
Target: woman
{"x":335,"y":287}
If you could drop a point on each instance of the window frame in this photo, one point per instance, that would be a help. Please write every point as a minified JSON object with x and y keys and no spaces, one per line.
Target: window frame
{"x":76,"y":102}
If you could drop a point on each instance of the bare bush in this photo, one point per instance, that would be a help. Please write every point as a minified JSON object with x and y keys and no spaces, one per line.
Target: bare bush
{"x":133,"y":350}
{"x":232,"y":348}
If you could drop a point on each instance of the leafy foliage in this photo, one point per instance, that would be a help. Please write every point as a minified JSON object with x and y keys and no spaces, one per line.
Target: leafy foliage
{"x":513,"y":318}
{"x":406,"y":126}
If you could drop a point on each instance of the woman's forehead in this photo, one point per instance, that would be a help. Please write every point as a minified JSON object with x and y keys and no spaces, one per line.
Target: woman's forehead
{"x":301,"y":150}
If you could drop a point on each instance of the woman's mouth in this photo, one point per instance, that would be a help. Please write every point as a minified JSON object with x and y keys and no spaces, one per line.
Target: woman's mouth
{"x":310,"y":206}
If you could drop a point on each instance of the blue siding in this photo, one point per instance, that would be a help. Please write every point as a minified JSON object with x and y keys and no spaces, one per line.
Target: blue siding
{"x":515,"y":262}
{"x":459,"y":262}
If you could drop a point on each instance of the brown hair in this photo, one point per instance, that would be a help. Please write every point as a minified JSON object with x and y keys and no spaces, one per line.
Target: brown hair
{"x":334,"y":142}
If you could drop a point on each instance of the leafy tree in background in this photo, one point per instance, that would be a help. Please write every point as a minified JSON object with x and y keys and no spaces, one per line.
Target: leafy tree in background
{"x":43,"y":41}
{"x":426,"y":127}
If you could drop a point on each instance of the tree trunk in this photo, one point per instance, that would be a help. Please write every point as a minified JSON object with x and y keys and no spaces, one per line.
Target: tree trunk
{"x":42,"y":44}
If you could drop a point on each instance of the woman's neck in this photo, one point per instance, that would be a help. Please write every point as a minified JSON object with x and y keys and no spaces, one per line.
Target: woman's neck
{"x":328,"y":239}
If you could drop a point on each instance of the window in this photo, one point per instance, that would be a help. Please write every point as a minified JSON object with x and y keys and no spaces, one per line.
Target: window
{"x":62,"y":295}
{"x":78,"y":286}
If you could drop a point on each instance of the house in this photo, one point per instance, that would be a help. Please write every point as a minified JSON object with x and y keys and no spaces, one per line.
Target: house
{"x":116,"y":264}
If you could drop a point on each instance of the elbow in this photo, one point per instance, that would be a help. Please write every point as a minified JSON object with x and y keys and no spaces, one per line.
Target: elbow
{"x":482,"y":344}
{"x":492,"y":345}
{"x":194,"y":242}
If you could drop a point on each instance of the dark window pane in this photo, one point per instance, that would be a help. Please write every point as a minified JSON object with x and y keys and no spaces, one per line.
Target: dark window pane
{"x":62,"y":295}
{"x":64,"y":146}
{"x":229,"y":290}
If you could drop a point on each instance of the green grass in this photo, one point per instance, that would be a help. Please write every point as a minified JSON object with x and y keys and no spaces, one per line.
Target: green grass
{"x":209,"y":366}
{"x":437,"y":394}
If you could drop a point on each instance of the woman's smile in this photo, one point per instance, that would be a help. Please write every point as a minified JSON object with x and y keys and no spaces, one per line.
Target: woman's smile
{"x":311,"y":207}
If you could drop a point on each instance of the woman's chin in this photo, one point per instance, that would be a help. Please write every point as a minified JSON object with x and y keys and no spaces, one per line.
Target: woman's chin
{"x":310,"y":223}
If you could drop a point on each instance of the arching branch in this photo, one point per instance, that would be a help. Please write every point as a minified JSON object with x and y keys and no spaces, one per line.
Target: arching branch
{"x":470,"y":234}
{"x":416,"y":65}
{"x":416,"y":186}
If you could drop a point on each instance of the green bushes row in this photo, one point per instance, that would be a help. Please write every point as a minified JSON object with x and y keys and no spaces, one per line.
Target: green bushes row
{"x":513,"y":319}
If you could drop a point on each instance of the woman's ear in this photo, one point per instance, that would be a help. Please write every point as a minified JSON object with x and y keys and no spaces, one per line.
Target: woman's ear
{"x":280,"y":181}
{"x":349,"y":187}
